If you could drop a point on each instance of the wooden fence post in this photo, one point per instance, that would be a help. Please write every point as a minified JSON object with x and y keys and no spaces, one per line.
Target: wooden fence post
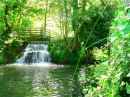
{"x":30,"y":32}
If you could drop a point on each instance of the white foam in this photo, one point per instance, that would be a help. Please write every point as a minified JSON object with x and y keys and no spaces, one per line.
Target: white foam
{"x":35,"y":53}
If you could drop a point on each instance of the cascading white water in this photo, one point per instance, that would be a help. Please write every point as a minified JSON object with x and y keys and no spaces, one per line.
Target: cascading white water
{"x":35,"y":53}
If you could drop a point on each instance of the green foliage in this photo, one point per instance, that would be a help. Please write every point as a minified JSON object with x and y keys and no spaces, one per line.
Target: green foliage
{"x":44,"y":38}
{"x":2,"y":59}
{"x":12,"y":20}
{"x":2,"y":13}
{"x":127,"y":88}
{"x":26,"y":22}
{"x":59,"y":52}
{"x":101,"y":54}
{"x":112,"y":75}
{"x":101,"y":30}
{"x":12,"y":48}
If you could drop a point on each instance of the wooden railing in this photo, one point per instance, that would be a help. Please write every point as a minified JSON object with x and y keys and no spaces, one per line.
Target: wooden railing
{"x":36,"y":33}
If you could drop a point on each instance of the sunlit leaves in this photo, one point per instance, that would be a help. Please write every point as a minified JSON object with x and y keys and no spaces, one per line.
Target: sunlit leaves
{"x":127,"y":88}
{"x":2,"y":25}
{"x":126,"y":30}
{"x":122,"y":24}
{"x":26,"y":22}
{"x":121,"y":12}
{"x":114,"y":24}
{"x":113,"y":37}
{"x":128,"y":15}
{"x":119,"y":56}
{"x":2,"y":12}
{"x":120,"y":47}
{"x":10,"y":2}
{"x":122,"y":83}
{"x":11,"y":17}
{"x":128,"y":75}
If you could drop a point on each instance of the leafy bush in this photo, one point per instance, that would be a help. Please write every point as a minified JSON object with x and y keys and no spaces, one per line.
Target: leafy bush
{"x":59,"y":51}
{"x":112,"y":76}
{"x":2,"y":60}
{"x":100,"y":54}
{"x":45,"y":38}
{"x":11,"y":49}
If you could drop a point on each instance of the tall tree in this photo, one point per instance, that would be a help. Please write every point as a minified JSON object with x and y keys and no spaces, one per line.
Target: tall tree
{"x":75,"y":24}
{"x":45,"y":17}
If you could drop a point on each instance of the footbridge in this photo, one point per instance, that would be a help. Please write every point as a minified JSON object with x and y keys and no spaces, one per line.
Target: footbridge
{"x":35,"y":33}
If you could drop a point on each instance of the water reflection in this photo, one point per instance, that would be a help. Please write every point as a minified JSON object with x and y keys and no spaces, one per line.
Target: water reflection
{"x":41,"y":81}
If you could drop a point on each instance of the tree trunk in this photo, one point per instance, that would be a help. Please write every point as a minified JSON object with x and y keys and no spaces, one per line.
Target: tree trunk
{"x":75,"y":25}
{"x":45,"y":17}
{"x":61,"y":20}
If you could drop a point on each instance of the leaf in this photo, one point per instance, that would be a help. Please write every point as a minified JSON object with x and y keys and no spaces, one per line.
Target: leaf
{"x":127,"y":88}
{"x":122,"y":83}
{"x":113,"y":24}
{"x":103,"y":76}
{"x":128,"y":75}
{"x":128,"y":15}
{"x":121,"y":11}
{"x":126,"y":30}
{"x":128,"y":55}
{"x":112,"y":37}
{"x":127,"y":49}
{"x":107,"y":85}
{"x":85,"y":91}
{"x":122,"y":24}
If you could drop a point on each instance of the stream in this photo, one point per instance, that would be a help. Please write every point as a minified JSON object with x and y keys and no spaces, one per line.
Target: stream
{"x":51,"y":80}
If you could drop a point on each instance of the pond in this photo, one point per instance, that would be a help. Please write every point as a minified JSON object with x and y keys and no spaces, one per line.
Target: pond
{"x":41,"y":81}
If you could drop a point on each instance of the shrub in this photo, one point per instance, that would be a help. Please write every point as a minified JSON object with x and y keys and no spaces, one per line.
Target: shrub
{"x":59,"y":52}
{"x":2,"y":60}
{"x":112,"y":75}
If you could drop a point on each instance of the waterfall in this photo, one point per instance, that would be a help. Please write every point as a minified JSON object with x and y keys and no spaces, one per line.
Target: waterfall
{"x":35,"y":52}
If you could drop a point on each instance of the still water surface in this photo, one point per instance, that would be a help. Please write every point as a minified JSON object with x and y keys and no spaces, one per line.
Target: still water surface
{"x":41,"y":81}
